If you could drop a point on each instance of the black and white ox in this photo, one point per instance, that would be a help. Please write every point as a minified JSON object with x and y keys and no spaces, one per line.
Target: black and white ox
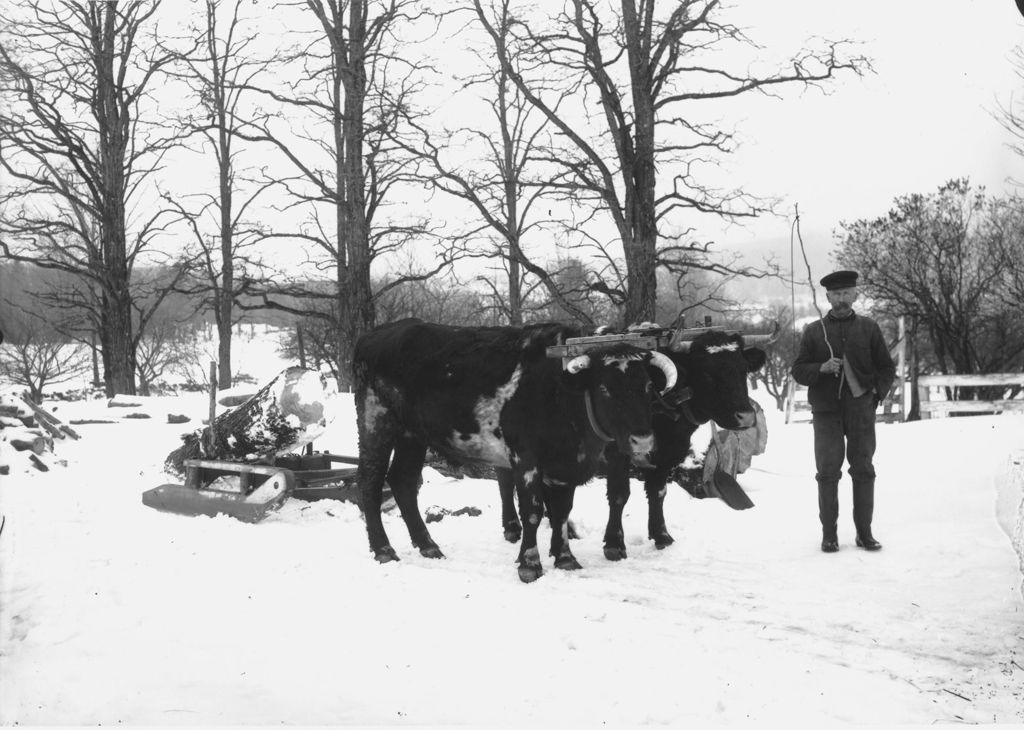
{"x":711,"y":386}
{"x":490,"y":395}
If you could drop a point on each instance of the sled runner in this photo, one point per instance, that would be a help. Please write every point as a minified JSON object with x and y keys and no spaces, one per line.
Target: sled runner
{"x":249,"y":492}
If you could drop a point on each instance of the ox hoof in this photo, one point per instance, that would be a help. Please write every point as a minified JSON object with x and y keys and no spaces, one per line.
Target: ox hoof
{"x":385,"y":555}
{"x":513,"y":535}
{"x":431,"y":551}
{"x":530,"y":573}
{"x":567,"y":562}
{"x":614,"y":553}
{"x":663,"y":540}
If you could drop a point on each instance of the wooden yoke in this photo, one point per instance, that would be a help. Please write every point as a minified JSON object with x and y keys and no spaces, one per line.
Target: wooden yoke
{"x":657,"y":338}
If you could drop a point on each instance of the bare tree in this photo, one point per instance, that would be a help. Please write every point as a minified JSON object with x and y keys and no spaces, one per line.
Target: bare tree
{"x":74,"y":74}
{"x":35,"y":357}
{"x":503,"y":184}
{"x":162,"y":350}
{"x":1010,"y":114}
{"x":216,"y":72}
{"x":944,"y":261}
{"x":350,"y":84}
{"x":646,"y":65}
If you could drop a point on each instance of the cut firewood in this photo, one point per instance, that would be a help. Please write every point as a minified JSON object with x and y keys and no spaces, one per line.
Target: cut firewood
{"x":36,"y":445}
{"x":289,"y":412}
{"x":39,"y":463}
{"x":124,"y":401}
{"x":50,"y":422}
{"x":23,"y":439}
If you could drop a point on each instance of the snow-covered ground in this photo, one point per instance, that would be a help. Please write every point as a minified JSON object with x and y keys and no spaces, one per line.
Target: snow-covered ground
{"x":112,"y":613}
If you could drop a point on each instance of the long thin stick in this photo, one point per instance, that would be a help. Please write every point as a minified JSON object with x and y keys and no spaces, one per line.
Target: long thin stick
{"x":810,"y":278}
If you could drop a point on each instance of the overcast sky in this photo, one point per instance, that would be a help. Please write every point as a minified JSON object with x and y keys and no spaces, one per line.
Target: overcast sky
{"x":923,"y":117}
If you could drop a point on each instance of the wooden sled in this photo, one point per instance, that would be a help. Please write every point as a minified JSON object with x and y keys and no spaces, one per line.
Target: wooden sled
{"x":249,"y":492}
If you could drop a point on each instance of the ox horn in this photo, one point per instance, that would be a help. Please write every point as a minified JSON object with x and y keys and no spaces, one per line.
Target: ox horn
{"x":580,"y":362}
{"x":753,"y":340}
{"x":665,"y":364}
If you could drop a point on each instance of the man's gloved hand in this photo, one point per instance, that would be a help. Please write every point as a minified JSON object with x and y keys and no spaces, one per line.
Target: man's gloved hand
{"x":832,"y":366}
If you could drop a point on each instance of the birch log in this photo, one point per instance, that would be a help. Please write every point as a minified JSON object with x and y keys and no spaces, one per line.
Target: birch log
{"x":287,"y":413}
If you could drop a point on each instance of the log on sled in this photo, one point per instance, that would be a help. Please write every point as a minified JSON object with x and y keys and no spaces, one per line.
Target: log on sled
{"x":243,"y":465}
{"x":283,"y":416}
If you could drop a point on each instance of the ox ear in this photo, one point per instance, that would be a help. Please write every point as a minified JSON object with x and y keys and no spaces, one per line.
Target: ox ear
{"x":755,"y":357}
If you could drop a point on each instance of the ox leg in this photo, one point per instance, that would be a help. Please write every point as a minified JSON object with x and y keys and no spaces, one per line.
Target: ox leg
{"x":531,"y":510}
{"x":375,"y":447}
{"x":560,"y":500}
{"x":405,"y":477}
{"x":573,"y":533}
{"x":509,"y":520}
{"x":618,"y":495}
{"x":654,"y":486}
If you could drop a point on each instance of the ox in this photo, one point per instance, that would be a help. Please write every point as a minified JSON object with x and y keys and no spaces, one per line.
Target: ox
{"x":711,"y":384}
{"x":490,"y":395}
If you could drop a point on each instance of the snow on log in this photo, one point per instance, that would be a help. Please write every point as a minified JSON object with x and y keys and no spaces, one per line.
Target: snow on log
{"x":24,"y":439}
{"x":289,"y":412}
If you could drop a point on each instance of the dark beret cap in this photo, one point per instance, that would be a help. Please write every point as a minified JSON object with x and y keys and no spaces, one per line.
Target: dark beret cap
{"x":839,"y":280}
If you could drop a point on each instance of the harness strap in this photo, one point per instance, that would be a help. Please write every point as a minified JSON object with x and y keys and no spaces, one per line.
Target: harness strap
{"x":683,"y":400}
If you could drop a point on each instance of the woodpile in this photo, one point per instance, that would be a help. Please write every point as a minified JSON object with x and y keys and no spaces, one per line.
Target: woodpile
{"x":27,"y":435}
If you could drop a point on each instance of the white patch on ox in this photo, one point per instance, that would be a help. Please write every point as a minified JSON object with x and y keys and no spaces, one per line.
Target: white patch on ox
{"x":700,"y":442}
{"x":373,"y":411}
{"x":528,"y":478}
{"x":486,"y":445}
{"x":727,"y":347}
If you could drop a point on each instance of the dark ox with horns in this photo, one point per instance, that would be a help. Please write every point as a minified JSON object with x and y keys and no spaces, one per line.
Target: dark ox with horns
{"x":711,"y":384}
{"x":490,"y":395}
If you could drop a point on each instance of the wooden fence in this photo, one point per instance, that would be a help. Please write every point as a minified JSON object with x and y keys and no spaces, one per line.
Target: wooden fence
{"x":925,"y":383}
{"x":894,"y":409}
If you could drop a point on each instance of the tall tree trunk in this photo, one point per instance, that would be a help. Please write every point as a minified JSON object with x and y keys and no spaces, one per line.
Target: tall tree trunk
{"x":113,"y":122}
{"x":356,"y":309}
{"x":225,"y":294}
{"x":641,"y":175}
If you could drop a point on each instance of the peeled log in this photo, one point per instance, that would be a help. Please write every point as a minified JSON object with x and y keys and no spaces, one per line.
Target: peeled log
{"x":289,"y":412}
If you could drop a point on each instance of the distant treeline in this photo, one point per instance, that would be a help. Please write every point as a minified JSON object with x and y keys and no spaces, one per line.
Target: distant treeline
{"x":26,"y":302}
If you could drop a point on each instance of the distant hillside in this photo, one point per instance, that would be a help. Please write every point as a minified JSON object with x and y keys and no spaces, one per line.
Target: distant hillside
{"x":819,"y":247}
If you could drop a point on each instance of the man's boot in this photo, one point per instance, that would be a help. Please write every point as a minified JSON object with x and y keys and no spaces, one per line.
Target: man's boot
{"x":828,"y":513}
{"x":863,"y":510}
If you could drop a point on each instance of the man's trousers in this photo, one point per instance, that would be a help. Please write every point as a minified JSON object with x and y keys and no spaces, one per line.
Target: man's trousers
{"x":848,"y":432}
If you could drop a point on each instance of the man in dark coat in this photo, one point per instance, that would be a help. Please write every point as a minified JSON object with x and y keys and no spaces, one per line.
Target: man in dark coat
{"x":846,"y":366}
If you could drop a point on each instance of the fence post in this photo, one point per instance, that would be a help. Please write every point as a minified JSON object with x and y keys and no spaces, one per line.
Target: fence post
{"x":213,"y":405}
{"x":923,"y":397}
{"x":903,"y":380}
